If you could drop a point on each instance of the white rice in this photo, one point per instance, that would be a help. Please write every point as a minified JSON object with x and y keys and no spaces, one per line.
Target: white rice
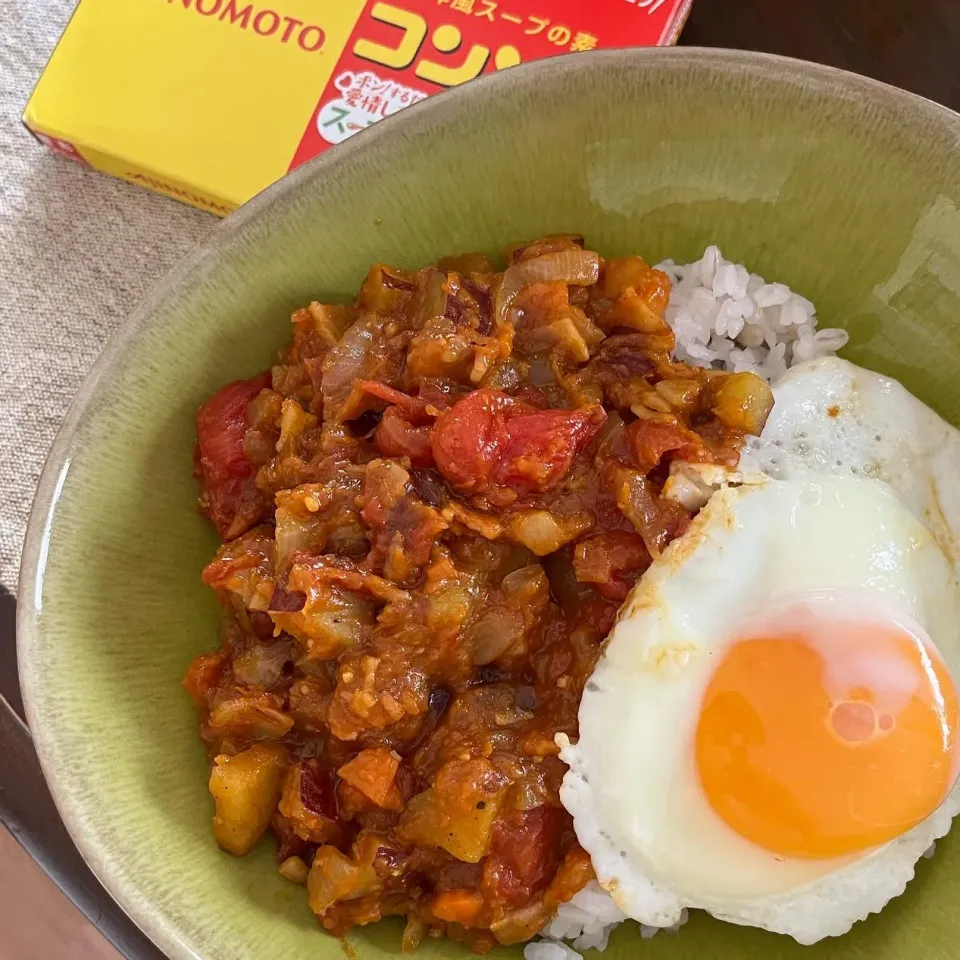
{"x":726,"y":318}
{"x":586,"y":922}
{"x":730,"y":319}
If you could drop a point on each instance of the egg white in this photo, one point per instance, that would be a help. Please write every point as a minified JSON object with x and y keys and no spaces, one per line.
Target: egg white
{"x":833,"y":417}
{"x":632,"y":788}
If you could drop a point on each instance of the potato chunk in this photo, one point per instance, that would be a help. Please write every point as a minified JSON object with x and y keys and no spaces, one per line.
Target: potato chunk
{"x":458,"y":812}
{"x":246,"y":788}
{"x":742,"y":401}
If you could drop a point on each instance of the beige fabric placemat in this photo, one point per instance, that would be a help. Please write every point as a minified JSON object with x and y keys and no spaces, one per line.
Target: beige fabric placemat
{"x":77,"y":250}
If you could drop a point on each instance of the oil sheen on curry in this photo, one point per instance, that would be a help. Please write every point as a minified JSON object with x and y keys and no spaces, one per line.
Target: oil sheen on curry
{"x":432,"y":508}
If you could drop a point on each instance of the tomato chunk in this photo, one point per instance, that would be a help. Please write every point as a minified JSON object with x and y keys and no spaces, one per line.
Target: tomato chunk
{"x":228,"y":496}
{"x":524,"y":853}
{"x":396,"y":436}
{"x":412,"y":406}
{"x":204,"y":675}
{"x":317,"y":791}
{"x":491,"y":439}
{"x":611,"y":561}
{"x":539,"y":448}
{"x":652,"y":440}
{"x":466,"y":440}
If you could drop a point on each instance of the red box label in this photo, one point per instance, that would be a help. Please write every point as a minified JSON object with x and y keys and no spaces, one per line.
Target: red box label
{"x":403,"y":51}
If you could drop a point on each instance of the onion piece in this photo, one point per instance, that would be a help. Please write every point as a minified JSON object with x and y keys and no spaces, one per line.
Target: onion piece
{"x":523,"y":582}
{"x":413,"y":933}
{"x":577,"y":267}
{"x":693,"y":484}
{"x":493,"y":634}
{"x":336,"y":877}
{"x":345,"y":363}
{"x":433,"y":298}
{"x":529,"y":794}
{"x":543,"y":532}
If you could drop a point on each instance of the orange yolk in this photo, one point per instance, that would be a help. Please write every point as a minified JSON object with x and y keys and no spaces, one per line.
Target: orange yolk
{"x":828,"y":741}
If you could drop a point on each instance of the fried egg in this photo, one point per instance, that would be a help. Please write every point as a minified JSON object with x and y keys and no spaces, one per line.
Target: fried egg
{"x":771,"y":733}
{"x":833,"y":417}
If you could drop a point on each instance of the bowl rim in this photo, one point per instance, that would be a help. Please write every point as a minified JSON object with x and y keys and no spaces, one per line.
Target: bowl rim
{"x":144,"y":913}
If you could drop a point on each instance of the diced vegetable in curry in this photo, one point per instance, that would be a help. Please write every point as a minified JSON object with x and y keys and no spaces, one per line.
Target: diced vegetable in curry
{"x":431,"y":509}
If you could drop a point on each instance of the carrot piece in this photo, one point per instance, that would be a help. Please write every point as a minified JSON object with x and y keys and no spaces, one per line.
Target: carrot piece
{"x":372,"y":772}
{"x":457,"y":906}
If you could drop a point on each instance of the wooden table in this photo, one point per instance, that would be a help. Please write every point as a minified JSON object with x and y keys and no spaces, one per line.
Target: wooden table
{"x":913,"y":44}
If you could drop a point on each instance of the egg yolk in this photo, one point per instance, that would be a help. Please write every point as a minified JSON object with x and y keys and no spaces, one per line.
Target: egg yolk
{"x":828,"y":740}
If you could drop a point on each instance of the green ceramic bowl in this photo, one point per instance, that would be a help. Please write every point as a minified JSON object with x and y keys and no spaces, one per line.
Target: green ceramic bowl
{"x":841,"y":187}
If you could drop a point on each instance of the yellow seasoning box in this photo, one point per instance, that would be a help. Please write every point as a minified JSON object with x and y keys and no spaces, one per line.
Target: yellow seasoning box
{"x":210,"y":101}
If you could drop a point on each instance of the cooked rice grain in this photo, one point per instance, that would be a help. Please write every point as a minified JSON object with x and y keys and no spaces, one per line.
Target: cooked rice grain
{"x":586,"y":921}
{"x":730,"y":319}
